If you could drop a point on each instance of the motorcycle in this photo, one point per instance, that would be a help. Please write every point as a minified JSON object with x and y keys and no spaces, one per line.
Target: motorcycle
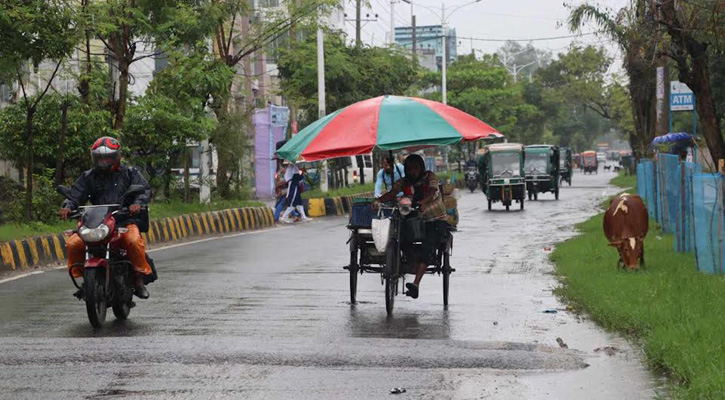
{"x":108,"y":276}
{"x":471,"y":178}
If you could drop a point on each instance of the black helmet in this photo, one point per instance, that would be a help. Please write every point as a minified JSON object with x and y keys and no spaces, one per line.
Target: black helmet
{"x":106,"y":153}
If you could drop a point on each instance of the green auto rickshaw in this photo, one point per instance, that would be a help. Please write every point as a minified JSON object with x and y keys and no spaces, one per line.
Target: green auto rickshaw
{"x":542,"y":170}
{"x":501,"y":168}
{"x":565,"y":165}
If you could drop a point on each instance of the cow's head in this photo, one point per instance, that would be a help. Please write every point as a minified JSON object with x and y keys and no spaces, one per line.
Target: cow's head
{"x":630,"y":251}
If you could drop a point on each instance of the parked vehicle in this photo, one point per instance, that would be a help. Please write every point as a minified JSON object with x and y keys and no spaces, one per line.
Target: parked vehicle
{"x":542,"y":170}
{"x":565,"y":165}
{"x":353,"y":169}
{"x":590,"y":163}
{"x":108,"y":276}
{"x":502,"y":174}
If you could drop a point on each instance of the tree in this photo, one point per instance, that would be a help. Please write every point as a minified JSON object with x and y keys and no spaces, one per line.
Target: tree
{"x":518,"y":59}
{"x":126,"y":27}
{"x":633,"y":30}
{"x":693,"y":28}
{"x":33,"y":31}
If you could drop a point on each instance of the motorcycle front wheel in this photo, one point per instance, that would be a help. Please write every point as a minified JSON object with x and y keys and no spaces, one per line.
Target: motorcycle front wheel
{"x":94,"y":288}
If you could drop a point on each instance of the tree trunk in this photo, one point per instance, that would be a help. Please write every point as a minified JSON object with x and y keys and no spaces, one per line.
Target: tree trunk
{"x":61,"y":143}
{"x":167,"y":181}
{"x":122,"y":93}
{"x":84,"y":86}
{"x":693,"y":65}
{"x":29,"y":164}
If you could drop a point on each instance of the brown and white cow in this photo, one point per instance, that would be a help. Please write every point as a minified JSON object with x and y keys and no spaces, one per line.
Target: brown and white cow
{"x":625,"y":225}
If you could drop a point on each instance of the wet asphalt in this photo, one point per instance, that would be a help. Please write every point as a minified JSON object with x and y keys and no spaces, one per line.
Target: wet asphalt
{"x":266,"y":315}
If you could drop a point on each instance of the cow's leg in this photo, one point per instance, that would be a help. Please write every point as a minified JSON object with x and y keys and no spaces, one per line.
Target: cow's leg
{"x":641,"y":257}
{"x":620,"y":263}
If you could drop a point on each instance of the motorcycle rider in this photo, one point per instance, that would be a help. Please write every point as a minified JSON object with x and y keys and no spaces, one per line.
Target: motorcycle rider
{"x":105,"y":183}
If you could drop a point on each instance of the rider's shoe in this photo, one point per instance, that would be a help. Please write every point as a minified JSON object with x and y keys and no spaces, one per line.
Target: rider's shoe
{"x":412,"y":290}
{"x":140,"y":289}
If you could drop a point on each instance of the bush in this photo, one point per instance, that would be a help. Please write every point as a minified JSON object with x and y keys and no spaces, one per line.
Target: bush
{"x":46,"y":202}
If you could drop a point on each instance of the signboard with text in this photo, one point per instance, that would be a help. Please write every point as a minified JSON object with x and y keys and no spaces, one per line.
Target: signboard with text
{"x":681,"y":97}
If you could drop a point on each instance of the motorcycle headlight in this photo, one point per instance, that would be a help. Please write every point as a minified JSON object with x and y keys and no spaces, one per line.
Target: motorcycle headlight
{"x":94,"y":235}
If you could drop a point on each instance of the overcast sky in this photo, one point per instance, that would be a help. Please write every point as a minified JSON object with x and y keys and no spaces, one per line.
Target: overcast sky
{"x":487,"y":19}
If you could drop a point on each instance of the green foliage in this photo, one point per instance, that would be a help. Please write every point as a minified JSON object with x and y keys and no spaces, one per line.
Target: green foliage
{"x":84,"y":125}
{"x":352,"y":74}
{"x":34,"y":30}
{"x":157,"y":131}
{"x":46,"y":202}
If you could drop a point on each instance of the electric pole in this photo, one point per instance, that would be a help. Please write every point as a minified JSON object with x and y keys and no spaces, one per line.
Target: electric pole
{"x":415,"y":37}
{"x":321,"y":108}
{"x":358,"y":6}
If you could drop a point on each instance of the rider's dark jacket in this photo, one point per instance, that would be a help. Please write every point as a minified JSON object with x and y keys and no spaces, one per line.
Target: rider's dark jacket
{"x":99,"y":187}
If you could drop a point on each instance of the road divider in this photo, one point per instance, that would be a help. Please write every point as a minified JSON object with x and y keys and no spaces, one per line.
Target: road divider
{"x":331,"y":206}
{"x":50,"y":249}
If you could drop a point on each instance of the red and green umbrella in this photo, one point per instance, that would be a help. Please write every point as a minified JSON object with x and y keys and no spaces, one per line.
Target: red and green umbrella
{"x":387,"y":123}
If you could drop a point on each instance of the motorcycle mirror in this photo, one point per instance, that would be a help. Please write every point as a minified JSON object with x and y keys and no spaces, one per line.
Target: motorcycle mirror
{"x":64,"y":191}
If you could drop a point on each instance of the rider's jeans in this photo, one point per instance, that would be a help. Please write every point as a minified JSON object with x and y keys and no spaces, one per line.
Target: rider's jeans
{"x":131,"y":241}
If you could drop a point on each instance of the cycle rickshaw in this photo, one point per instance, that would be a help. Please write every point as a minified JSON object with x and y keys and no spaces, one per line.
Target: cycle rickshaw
{"x":386,"y":123}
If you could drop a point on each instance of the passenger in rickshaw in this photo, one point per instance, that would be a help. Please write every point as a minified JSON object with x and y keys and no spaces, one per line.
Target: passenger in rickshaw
{"x":421,"y":187}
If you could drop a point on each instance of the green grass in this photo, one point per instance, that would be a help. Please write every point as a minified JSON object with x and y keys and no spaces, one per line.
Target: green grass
{"x":625,"y":181}
{"x":157,"y":210}
{"x":13,"y":232}
{"x":675,"y":312}
{"x":172,"y":209}
{"x":345,"y":191}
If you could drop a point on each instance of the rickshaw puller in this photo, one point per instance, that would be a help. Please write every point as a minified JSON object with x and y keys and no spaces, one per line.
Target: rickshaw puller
{"x":422,"y":187}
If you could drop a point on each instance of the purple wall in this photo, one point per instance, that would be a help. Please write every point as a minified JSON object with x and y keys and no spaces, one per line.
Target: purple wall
{"x":270,"y":127}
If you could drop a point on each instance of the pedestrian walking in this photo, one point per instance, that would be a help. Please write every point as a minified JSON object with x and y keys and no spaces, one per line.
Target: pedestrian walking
{"x":293,"y":201}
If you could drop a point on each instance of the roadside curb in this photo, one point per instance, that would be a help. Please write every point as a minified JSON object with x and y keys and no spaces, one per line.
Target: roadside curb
{"x":46,"y":250}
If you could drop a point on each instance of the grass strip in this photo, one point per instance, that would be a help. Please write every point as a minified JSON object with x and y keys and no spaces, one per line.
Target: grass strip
{"x":157,"y":211}
{"x":675,"y":312}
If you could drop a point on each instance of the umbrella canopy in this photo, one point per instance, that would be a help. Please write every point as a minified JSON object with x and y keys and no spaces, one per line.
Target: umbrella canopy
{"x":386,"y":122}
{"x":673,"y":142}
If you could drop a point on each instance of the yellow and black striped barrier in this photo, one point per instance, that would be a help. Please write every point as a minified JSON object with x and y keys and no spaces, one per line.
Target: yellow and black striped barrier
{"x":329,"y":206}
{"x":46,"y":250}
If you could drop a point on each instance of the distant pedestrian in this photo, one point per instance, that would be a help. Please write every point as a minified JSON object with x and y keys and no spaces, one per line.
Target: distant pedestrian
{"x":384,"y":176}
{"x":280,"y":193}
{"x":293,"y":201}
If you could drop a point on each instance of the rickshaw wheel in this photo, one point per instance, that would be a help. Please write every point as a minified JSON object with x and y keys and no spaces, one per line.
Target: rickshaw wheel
{"x":521,"y":205}
{"x":446,"y":277}
{"x":390,"y":287}
{"x":392,"y":266}
{"x":508,"y":206}
{"x":353,"y":269}
{"x":536,"y":196}
{"x":489,"y":204}
{"x":556,"y":194}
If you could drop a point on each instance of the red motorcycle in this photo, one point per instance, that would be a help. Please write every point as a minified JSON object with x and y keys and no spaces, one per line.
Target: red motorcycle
{"x":108,"y":276}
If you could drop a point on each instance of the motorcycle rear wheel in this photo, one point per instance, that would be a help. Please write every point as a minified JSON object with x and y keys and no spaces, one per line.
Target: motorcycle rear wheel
{"x":95,"y":293}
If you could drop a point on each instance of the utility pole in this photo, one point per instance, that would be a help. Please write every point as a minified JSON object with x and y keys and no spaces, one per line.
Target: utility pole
{"x":321,"y":92}
{"x":392,"y":22}
{"x":415,"y":37}
{"x":444,"y":58}
{"x":358,"y":6}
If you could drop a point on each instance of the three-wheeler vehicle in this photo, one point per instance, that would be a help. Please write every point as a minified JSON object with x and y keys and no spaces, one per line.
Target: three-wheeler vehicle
{"x":387,"y":123}
{"x":565,"y":165}
{"x":392,"y":264}
{"x":502,"y":174}
{"x":590,"y":164}
{"x":542,"y":170}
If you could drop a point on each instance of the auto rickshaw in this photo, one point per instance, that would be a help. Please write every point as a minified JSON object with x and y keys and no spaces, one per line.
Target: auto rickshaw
{"x":565,"y":165}
{"x":542,"y":170}
{"x":589,"y":162}
{"x":502,"y":174}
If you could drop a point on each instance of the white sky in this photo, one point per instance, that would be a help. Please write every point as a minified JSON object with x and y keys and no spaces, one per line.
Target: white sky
{"x":487,"y":19}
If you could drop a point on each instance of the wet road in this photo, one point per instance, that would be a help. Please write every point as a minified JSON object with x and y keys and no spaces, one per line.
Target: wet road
{"x":265,"y":315}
